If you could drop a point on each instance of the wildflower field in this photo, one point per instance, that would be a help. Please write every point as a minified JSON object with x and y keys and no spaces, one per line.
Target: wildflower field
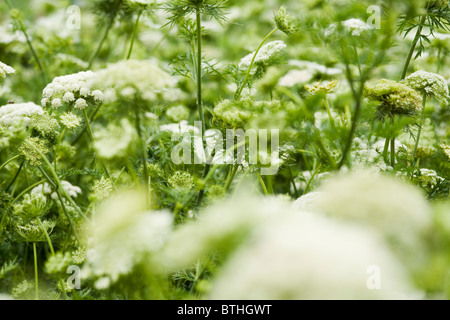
{"x":212,"y":149}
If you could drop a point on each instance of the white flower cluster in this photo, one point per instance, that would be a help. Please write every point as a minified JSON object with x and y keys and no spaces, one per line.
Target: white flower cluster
{"x":115,"y":141}
{"x":122,"y":233}
{"x":272,"y":251}
{"x":265,"y":54}
{"x":395,"y":209}
{"x":367,"y":157}
{"x":427,"y":178}
{"x":45,"y":189}
{"x":11,"y":114}
{"x":354,"y":26}
{"x":5,"y":69}
{"x":295,"y":77}
{"x":302,"y":256}
{"x":428,"y":83}
{"x":136,"y":79}
{"x":71,"y":89}
{"x":304,"y":72}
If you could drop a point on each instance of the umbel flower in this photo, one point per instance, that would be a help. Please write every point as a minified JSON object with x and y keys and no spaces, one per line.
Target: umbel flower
{"x":5,"y":69}
{"x":128,"y":80}
{"x":285,"y":22}
{"x":322,"y":87}
{"x":11,"y":114}
{"x":428,"y":84}
{"x":71,"y":89}
{"x":265,"y":57}
{"x":396,"y":98}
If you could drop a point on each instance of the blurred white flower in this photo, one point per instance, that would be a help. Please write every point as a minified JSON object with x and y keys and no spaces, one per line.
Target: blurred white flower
{"x":5,"y":69}
{"x":266,"y":53}
{"x":122,"y":233}
{"x":13,"y":113}
{"x":395,"y":209}
{"x":301,"y":256}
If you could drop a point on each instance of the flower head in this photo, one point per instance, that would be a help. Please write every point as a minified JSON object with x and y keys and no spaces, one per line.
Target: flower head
{"x":70,"y":88}
{"x":396,"y":98}
{"x":20,"y":112}
{"x":429,"y":84}
{"x":70,"y":120}
{"x":5,"y":69}
{"x":285,"y":22}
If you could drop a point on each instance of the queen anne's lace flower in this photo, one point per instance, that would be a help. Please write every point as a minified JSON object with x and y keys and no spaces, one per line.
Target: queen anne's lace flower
{"x":70,"y":120}
{"x":122,"y":233}
{"x":285,"y":22}
{"x":71,"y":190}
{"x":134,"y":79}
{"x":354,"y":26}
{"x":429,"y":84}
{"x":265,"y":55}
{"x":115,"y":141}
{"x":13,"y":113}
{"x":396,"y":98}
{"x":70,"y":88}
{"x":5,"y":69}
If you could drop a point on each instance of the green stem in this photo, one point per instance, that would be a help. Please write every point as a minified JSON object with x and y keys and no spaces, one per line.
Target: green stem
{"x":102,"y":41}
{"x":199,"y":71}
{"x":422,"y":119}
{"x":30,"y":45}
{"x":291,"y":178}
{"x":57,"y":180}
{"x":46,"y":236}
{"x":91,"y":118}
{"x":393,"y":151}
{"x":231,"y":177}
{"x":36,"y":277}
{"x":143,"y":153}
{"x":413,"y":47}
{"x":244,"y":83}
{"x":15,"y":176}
{"x":386,"y":149}
{"x":7,"y":162}
{"x":327,"y":105}
{"x":91,"y":135}
{"x":133,"y":36}
{"x":263,"y":185}
{"x":28,"y":189}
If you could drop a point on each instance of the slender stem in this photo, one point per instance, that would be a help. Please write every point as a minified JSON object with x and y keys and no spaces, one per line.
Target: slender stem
{"x":308,"y":185}
{"x":91,"y":135}
{"x":7,"y":162}
{"x":269,"y":184}
{"x":263,"y":185}
{"x":393,"y":151}
{"x":231,"y":177}
{"x":143,"y":153}
{"x":91,"y":118}
{"x":46,"y":236}
{"x":422,"y":119}
{"x":244,"y":83}
{"x":133,"y":36}
{"x":36,"y":278}
{"x":293,"y":182}
{"x":15,"y":176}
{"x":413,"y":47}
{"x":30,"y":45}
{"x":327,"y":105}
{"x":386,"y":149}
{"x":199,"y":71}
{"x":102,"y":41}
{"x":28,"y":189}
{"x":57,"y":180}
